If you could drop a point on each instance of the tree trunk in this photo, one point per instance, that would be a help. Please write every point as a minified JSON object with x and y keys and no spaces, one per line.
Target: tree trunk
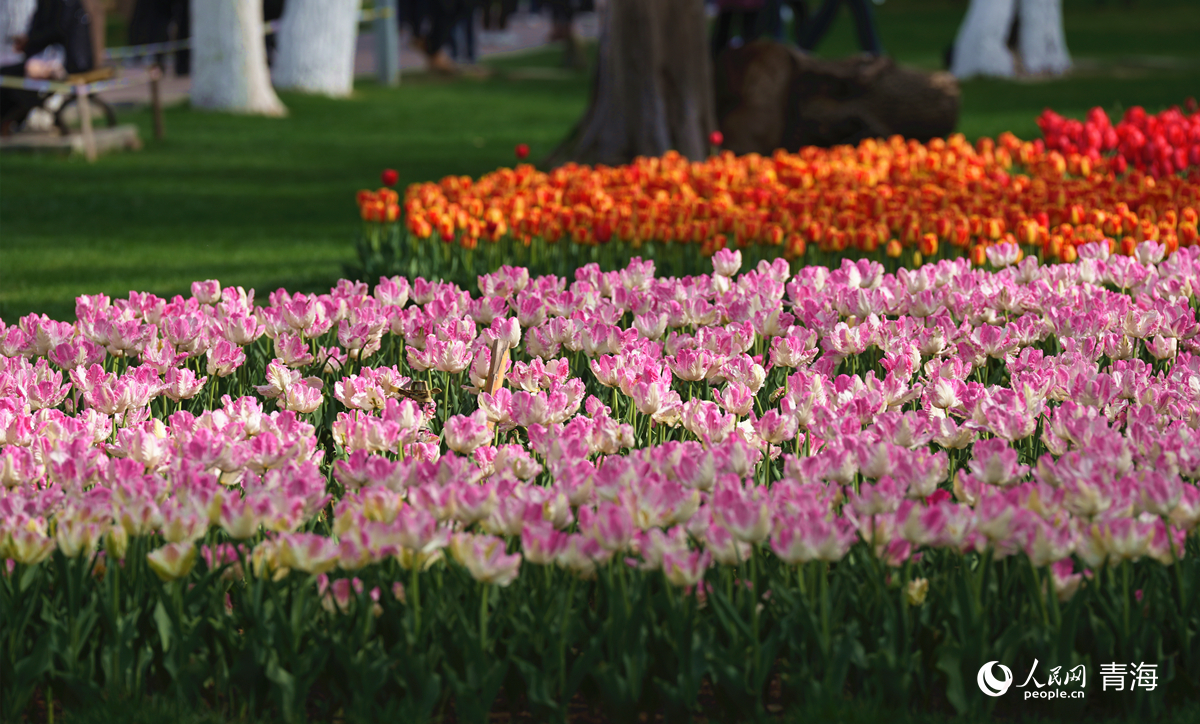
{"x":980,"y":48}
{"x":229,"y":58}
{"x":1041,"y":40}
{"x":316,"y":46}
{"x":653,"y":90}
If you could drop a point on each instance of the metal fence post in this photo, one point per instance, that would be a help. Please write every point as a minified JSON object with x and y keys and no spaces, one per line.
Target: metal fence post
{"x":387,"y":42}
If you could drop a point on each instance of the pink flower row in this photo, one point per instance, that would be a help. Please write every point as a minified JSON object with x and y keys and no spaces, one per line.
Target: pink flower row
{"x":1049,"y":410}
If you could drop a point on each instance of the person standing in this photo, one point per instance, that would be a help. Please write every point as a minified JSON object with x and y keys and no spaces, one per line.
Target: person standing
{"x":775,"y":25}
{"x":562,"y":23}
{"x":14,"y":23}
{"x":462,"y":39}
{"x":864,"y":24}
{"x":746,"y":13}
{"x":445,"y":15}
{"x":63,"y":23}
{"x":151,"y":23}
{"x":272,"y":11}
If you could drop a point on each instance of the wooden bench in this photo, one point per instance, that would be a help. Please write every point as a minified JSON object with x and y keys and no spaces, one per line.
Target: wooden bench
{"x":85,"y":100}
{"x":81,"y":89}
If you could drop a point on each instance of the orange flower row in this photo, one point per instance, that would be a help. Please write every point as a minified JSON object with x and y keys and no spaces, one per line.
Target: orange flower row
{"x":881,"y":195}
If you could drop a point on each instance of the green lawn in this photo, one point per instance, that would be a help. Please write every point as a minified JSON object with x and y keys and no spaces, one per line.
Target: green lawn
{"x":266,"y":203}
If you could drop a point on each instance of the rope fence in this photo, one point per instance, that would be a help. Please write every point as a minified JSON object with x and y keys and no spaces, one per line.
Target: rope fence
{"x":62,"y":86}
{"x":129,"y":52}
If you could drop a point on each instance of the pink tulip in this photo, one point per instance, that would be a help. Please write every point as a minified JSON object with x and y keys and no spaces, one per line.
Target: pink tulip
{"x":704,"y":420}
{"x":685,"y":568}
{"x":775,"y":428}
{"x":744,"y":511}
{"x":996,"y":463}
{"x":799,"y":539}
{"x":1002,"y":255}
{"x":207,"y":292}
{"x":541,"y":543}
{"x":224,"y":358}
{"x":654,"y":544}
{"x":392,"y":291}
{"x":725,"y":548}
{"x":485,"y":559}
{"x":182,"y":384}
{"x":81,"y":352}
{"x":526,"y":409}
{"x":726,"y":262}
{"x":610,"y":525}
{"x":465,"y":433}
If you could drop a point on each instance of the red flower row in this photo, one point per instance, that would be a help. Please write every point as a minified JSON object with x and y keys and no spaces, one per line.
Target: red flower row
{"x":1160,"y":144}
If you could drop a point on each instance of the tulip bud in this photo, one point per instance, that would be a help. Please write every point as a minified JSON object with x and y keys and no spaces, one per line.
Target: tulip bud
{"x":916,"y":591}
{"x":116,"y":542}
{"x":173,"y":561}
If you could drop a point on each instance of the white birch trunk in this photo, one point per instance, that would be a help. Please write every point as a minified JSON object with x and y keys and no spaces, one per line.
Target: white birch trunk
{"x":980,"y":46}
{"x":317,"y":46}
{"x":229,"y":58}
{"x":1041,"y":40}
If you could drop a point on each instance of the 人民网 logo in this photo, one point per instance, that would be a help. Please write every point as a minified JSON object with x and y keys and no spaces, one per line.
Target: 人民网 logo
{"x":989,"y":684}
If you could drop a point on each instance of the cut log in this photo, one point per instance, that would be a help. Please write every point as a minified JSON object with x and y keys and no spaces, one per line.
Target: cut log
{"x":772,"y":96}
{"x":653,"y":89}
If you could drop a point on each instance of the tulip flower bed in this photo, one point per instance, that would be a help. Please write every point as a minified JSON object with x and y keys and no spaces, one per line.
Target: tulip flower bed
{"x":634,"y":491}
{"x":881,"y":200}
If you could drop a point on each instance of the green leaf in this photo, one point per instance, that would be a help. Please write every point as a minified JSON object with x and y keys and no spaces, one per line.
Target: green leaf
{"x":950,"y":663}
{"x":165,"y":629}
{"x":27,"y":578}
{"x":36,"y":663}
{"x":287,"y":687}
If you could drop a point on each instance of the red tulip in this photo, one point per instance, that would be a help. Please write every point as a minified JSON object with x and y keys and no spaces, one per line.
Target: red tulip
{"x":716,"y":138}
{"x":522,"y":150}
{"x":389,"y":177}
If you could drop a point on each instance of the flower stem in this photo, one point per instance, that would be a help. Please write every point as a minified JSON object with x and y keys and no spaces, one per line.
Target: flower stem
{"x":483,"y":617}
